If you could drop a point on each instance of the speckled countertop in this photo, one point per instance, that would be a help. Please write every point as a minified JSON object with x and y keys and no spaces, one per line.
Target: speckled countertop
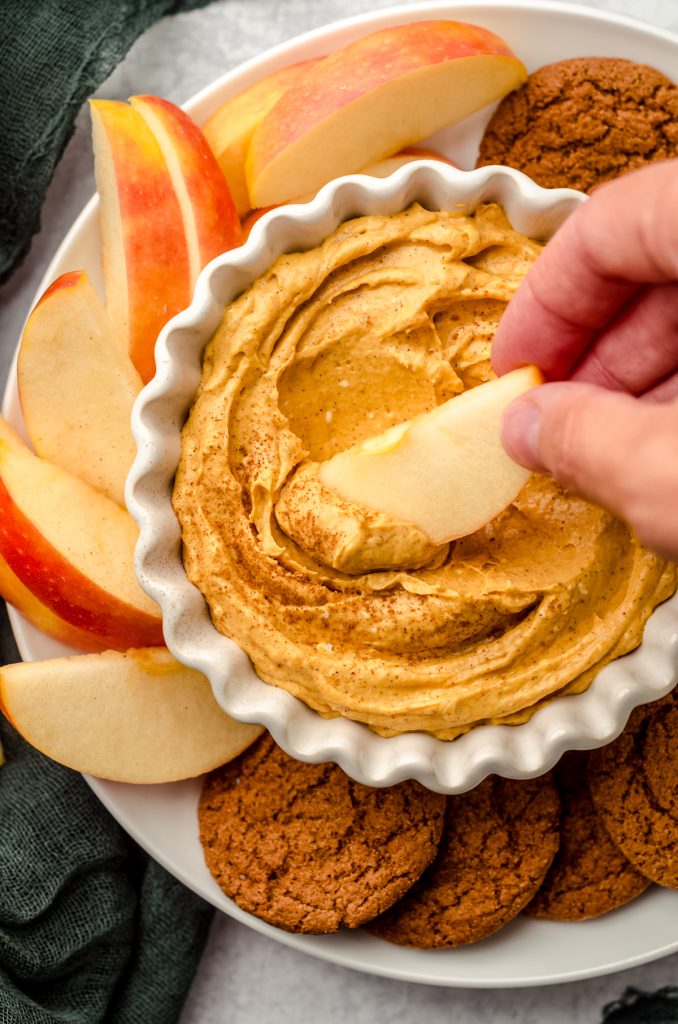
{"x":243,"y":977}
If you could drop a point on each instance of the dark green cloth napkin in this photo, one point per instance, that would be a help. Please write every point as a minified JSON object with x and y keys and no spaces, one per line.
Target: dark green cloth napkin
{"x":91,"y":929}
{"x":54,"y":54}
{"x":636,"y":1007}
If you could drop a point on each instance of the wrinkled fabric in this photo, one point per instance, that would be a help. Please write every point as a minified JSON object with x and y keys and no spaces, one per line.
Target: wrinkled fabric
{"x":91,"y":929}
{"x":636,"y":1007}
{"x":55,"y":53}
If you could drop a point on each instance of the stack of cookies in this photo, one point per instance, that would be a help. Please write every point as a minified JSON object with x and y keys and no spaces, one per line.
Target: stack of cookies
{"x":309,"y":850}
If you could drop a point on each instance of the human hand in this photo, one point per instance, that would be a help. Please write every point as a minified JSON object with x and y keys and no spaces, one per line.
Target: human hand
{"x":598,"y":313}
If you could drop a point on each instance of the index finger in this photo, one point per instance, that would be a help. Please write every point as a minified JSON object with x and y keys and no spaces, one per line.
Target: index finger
{"x":624,"y":237}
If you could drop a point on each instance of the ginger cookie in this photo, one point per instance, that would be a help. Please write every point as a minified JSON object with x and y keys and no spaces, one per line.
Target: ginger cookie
{"x":581,"y":122}
{"x":634,"y":785}
{"x":305,"y":847}
{"x":589,"y":875}
{"x":497,"y":845}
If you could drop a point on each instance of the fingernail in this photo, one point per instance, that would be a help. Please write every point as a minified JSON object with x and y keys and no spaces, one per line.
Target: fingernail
{"x":521,"y":427}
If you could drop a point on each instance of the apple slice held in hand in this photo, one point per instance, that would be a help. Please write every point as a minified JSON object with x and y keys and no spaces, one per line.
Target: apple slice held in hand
{"x":77,"y":386}
{"x":72,"y":550}
{"x":445,"y":471}
{"x":134,"y":717}
{"x":368,"y":100}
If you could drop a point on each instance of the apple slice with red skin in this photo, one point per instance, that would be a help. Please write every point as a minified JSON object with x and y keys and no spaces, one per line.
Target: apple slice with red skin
{"x":380,"y":169}
{"x":368,"y":100}
{"x":145,"y":253}
{"x":252,"y":216}
{"x":137,"y":717}
{"x":72,"y":549}
{"x":77,"y":386}
{"x":230,"y":129}
{"x":210,"y":218}
{"x":9,"y":435}
{"x":166,"y":211}
{"x":18,"y":595}
{"x":15,"y":593}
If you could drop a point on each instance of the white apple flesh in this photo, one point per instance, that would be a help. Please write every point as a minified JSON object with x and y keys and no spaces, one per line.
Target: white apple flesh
{"x":77,"y":386}
{"x":135,"y":717}
{"x":445,"y":471}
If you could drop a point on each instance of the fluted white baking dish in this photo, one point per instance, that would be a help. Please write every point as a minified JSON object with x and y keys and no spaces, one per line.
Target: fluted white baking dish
{"x":586,"y":720}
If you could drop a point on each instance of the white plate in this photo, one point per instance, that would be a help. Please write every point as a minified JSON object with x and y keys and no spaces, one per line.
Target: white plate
{"x":163,"y":818}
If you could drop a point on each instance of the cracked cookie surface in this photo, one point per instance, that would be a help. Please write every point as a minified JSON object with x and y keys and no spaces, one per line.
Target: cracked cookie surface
{"x":634,"y":785}
{"x":580,"y":122}
{"x":305,"y":847}
{"x":589,"y":875}
{"x":498,"y":842}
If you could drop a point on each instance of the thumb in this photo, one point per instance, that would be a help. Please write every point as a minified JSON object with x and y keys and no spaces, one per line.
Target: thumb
{"x":609,"y":447}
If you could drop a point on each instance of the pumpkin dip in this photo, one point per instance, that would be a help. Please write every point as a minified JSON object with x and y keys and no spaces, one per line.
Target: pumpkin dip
{"x":350,"y":610}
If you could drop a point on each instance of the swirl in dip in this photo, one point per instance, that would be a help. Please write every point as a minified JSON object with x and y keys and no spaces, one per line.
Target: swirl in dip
{"x":350,"y":610}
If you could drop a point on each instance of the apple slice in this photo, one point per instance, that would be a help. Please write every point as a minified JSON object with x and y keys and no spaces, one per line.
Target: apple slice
{"x":72,"y":548}
{"x":134,"y":717}
{"x":252,"y":216}
{"x":15,"y":593}
{"x":9,"y":435}
{"x":166,"y":211}
{"x":77,"y":386}
{"x":210,"y":218}
{"x":445,"y":471}
{"x":230,"y":129}
{"x":145,"y":252}
{"x":372,"y":98}
{"x":381,"y":169}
